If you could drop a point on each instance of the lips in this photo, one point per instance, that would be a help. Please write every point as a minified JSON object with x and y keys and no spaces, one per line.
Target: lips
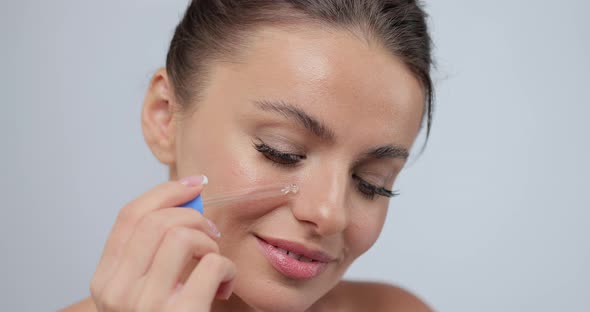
{"x":292,"y":259}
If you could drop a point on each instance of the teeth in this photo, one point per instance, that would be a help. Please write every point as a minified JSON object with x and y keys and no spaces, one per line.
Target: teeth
{"x":283,"y":251}
{"x":293,"y":255}
{"x":304,"y":259}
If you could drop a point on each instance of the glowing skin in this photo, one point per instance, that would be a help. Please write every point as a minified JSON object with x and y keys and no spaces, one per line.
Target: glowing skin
{"x":362,"y":97}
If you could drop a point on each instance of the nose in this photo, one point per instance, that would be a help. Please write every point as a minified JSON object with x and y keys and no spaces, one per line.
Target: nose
{"x":322,"y":203}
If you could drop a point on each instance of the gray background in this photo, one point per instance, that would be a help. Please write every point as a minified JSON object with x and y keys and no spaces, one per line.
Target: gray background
{"x":493,"y":217}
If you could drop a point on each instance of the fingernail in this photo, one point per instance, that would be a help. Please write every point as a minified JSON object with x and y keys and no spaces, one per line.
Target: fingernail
{"x":194,"y":180}
{"x":213,"y":228}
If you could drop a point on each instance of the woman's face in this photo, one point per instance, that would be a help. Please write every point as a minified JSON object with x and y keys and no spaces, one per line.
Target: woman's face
{"x":326,"y":110}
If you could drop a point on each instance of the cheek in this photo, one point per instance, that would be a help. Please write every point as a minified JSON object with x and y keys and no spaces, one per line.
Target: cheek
{"x":363,"y":232}
{"x":224,"y":157}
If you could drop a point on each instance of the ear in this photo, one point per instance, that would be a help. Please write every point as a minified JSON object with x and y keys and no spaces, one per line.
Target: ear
{"x":158,"y":118}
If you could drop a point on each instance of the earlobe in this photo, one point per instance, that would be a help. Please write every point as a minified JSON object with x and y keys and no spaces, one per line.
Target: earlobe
{"x":157,"y":118}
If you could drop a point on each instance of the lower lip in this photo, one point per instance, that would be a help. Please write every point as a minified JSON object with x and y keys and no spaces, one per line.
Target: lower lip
{"x":288,"y":266}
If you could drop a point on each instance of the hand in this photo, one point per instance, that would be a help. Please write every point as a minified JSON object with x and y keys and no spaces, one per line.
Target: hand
{"x":151,"y":246}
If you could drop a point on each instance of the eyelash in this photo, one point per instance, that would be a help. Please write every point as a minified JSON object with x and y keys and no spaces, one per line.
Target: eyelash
{"x":369,"y":190}
{"x":366,"y":189}
{"x":277,"y":157}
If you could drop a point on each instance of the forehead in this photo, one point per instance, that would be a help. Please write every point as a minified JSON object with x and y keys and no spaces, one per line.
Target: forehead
{"x":333,"y":74}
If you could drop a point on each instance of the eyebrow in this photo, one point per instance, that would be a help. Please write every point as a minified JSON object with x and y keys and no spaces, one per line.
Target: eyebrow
{"x":319,"y":129}
{"x":389,"y":151}
{"x":288,"y":110}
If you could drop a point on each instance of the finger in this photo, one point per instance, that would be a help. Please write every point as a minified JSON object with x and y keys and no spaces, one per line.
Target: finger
{"x":148,"y":236}
{"x":169,"y":194}
{"x":201,"y":288}
{"x":225,"y":290}
{"x":179,"y":248}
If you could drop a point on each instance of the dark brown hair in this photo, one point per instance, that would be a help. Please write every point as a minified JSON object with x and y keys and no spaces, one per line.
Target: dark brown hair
{"x":217,"y":29}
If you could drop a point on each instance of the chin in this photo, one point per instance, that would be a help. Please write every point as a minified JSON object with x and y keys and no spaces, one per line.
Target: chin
{"x":270,"y":295}
{"x":276,"y":301}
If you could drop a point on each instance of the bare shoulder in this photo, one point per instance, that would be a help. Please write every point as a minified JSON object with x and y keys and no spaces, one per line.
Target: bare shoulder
{"x":85,"y":305}
{"x":371,"y":296}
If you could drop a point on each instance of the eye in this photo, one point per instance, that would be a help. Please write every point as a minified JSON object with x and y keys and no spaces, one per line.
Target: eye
{"x":369,"y":190}
{"x":278,"y":157}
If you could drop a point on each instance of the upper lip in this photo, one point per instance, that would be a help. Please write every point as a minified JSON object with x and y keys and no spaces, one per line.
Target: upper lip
{"x":300,"y":249}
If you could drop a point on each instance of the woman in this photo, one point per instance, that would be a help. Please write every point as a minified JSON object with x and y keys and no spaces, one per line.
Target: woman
{"x":327,"y":94}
